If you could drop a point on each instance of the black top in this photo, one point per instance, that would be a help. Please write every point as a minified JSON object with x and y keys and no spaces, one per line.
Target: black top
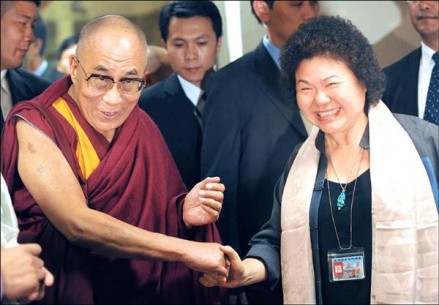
{"x":354,"y":291}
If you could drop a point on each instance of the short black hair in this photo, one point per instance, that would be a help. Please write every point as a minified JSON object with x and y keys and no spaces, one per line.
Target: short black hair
{"x":336,"y":38}
{"x":188,"y":9}
{"x":67,"y":43}
{"x":5,"y":5}
{"x":269,"y":3}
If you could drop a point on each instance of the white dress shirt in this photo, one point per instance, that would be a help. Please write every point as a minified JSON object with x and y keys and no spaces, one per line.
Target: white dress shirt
{"x":192,"y":92}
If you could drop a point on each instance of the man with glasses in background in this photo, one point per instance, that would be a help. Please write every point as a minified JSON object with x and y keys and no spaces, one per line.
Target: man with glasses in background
{"x":412,"y":82}
{"x":95,"y":185}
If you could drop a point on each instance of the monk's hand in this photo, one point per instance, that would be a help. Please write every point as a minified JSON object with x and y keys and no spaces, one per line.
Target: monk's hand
{"x":204,"y":202}
{"x":235,"y":274}
{"x":206,"y":257}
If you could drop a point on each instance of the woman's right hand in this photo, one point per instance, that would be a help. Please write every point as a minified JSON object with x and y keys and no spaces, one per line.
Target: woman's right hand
{"x":235,"y":275}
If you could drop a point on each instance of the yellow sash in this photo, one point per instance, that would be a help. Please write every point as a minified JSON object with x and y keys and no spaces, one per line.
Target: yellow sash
{"x":85,"y":152}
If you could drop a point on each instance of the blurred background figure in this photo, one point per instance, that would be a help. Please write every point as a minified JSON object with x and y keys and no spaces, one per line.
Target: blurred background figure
{"x":66,"y":49}
{"x":412,"y":82}
{"x":158,"y":67}
{"x":35,"y":61}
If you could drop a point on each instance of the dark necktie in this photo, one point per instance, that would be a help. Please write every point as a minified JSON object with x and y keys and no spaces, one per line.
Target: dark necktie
{"x":431,"y":113}
{"x":201,"y":102}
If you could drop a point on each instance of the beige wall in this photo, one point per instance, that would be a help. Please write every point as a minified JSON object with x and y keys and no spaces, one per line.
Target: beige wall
{"x":65,"y":18}
{"x":385,"y":23}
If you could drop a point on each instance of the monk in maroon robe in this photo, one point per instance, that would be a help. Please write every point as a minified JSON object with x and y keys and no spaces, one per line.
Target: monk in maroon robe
{"x":94,"y":184}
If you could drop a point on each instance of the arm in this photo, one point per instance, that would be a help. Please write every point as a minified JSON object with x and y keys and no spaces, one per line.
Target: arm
{"x":262,"y":264}
{"x":49,"y":178}
{"x":23,"y":273}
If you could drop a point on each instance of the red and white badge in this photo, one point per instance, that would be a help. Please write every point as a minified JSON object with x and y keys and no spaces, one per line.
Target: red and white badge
{"x":346,"y":264}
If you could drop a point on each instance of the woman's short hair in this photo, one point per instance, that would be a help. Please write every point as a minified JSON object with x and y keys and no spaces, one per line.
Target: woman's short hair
{"x":339,"y":39}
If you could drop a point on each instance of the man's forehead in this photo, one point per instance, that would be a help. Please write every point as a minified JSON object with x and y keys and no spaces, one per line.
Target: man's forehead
{"x":25,"y":9}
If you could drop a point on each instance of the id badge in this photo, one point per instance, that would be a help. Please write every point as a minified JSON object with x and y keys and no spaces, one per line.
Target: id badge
{"x":346,"y":265}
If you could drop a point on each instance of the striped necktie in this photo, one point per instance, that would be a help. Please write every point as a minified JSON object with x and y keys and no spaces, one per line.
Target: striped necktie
{"x":432,"y":106}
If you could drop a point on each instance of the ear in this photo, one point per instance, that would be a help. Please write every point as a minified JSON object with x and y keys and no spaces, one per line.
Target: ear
{"x":148,"y":77}
{"x":262,"y":10}
{"x":219,"y":44}
{"x":73,"y":68}
{"x":35,"y":46}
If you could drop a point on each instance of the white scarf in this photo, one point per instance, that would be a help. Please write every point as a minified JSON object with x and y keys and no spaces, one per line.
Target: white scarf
{"x":404,"y":219}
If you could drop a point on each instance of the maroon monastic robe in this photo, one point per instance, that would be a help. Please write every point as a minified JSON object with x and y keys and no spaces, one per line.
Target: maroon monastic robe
{"x":136,"y":181}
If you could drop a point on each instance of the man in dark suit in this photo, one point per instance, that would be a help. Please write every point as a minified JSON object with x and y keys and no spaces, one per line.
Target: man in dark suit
{"x":250,"y":129}
{"x":408,"y":79}
{"x":192,"y":32}
{"x":17,"y":20}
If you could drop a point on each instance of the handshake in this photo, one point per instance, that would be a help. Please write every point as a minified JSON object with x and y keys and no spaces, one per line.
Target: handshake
{"x":222,"y":266}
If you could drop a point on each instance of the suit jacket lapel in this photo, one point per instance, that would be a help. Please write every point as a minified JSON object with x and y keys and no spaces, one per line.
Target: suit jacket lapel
{"x":412,"y":81}
{"x":172,"y":85}
{"x":17,"y":86}
{"x":174,"y":90}
{"x":270,"y":78}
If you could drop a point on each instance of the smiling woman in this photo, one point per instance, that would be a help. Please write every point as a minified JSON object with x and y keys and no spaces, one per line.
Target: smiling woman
{"x":351,"y":191}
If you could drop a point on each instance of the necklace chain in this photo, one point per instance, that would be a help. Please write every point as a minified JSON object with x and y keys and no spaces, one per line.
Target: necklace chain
{"x":342,"y":196}
{"x":350,"y":217}
{"x":352,"y":170}
{"x":352,"y":205}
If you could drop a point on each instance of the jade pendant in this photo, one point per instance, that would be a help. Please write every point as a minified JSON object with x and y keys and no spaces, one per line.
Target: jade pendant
{"x":340,"y":200}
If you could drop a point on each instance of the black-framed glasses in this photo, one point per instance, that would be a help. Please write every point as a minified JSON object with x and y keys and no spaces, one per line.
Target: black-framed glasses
{"x":103,"y":83}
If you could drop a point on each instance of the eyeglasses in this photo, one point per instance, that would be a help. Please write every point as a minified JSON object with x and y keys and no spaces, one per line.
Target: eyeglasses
{"x":413,"y":2}
{"x":103,"y":83}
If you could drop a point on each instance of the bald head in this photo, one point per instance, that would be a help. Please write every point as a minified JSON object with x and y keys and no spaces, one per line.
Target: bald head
{"x":108,"y":28}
